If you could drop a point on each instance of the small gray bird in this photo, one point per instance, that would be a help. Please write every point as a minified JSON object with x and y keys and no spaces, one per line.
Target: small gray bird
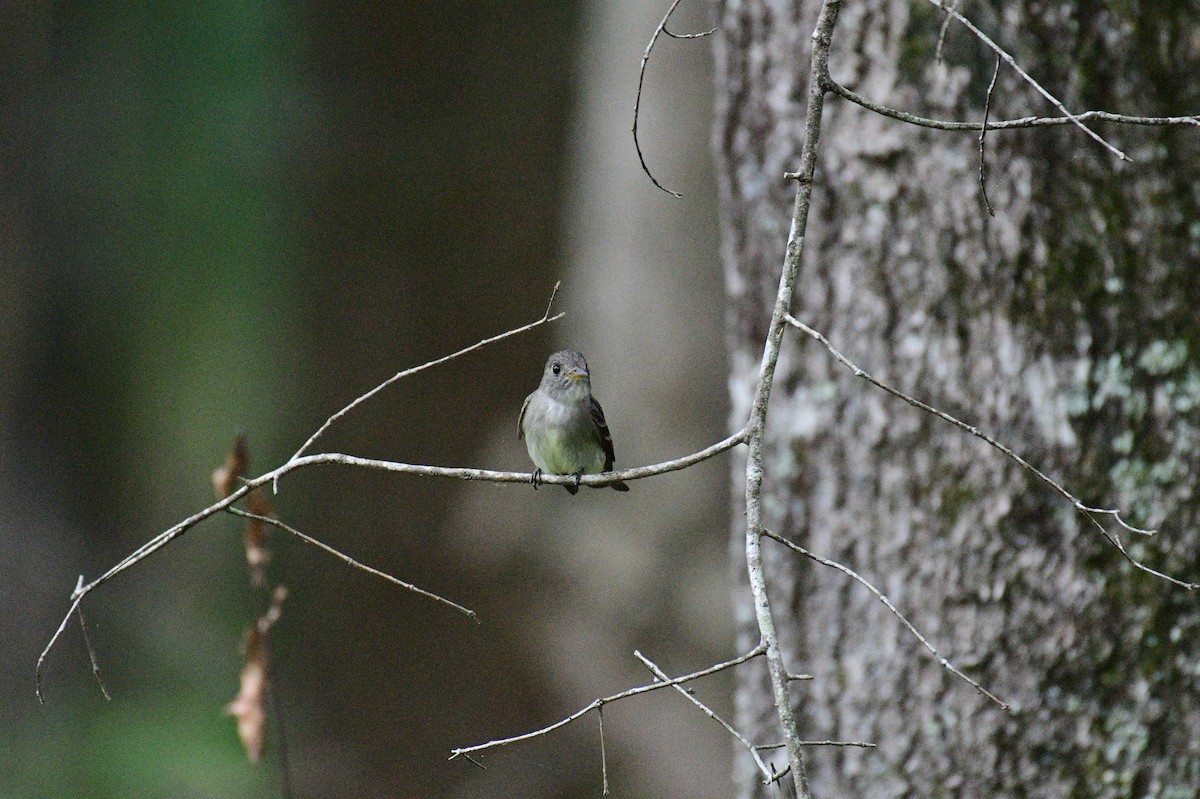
{"x":563,"y":425}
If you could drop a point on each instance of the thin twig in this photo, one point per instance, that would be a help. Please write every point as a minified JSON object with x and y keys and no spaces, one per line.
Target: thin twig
{"x":1012,"y":62}
{"x":492,"y":476}
{"x":756,"y":426}
{"x":1088,"y":512}
{"x":860,"y":744}
{"x":937,"y":56}
{"x":349,"y":561}
{"x":1007,"y":124}
{"x":599,"y":703}
{"x":546,"y":317}
{"x":603,"y":756}
{"x":37,"y":672}
{"x":699,"y":35}
{"x":138,"y":555}
{"x":833,"y":564}
{"x":637,"y":103}
{"x":987,"y":107}
{"x":769,"y":775}
{"x":87,"y":641}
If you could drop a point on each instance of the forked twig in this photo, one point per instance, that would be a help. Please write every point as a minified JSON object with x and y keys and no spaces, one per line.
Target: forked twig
{"x":1012,"y":62}
{"x":599,"y":703}
{"x":637,"y":103}
{"x":138,"y":555}
{"x":769,"y":774}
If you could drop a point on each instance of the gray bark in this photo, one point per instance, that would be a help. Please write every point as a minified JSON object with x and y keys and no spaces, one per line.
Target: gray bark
{"x":1065,"y":325}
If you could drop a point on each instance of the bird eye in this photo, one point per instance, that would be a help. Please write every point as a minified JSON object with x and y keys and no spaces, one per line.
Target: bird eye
{"x":556,"y":368}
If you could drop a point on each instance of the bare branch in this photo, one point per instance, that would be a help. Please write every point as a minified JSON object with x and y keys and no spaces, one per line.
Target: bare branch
{"x":756,"y":426}
{"x":599,"y":703}
{"x":637,"y":103}
{"x":139,"y":554}
{"x":165,"y":537}
{"x":769,"y":775}
{"x":91,"y":650}
{"x":946,"y":664}
{"x":699,"y":35}
{"x":987,"y":107}
{"x":1012,"y":62}
{"x":492,"y":476}
{"x":860,"y":744}
{"x":1008,"y":124}
{"x":349,"y":561}
{"x":603,"y":756}
{"x":546,"y":317}
{"x":299,"y":461}
{"x":937,"y":56}
{"x":1089,"y":513}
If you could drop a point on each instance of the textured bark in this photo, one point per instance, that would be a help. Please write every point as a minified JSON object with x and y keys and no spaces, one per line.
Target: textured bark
{"x":1065,"y":325}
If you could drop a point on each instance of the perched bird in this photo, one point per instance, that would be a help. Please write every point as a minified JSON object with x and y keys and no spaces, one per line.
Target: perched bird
{"x":563,"y":425}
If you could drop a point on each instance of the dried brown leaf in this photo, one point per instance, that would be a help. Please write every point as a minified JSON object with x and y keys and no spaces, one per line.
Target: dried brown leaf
{"x":225,"y":478}
{"x":257,"y":554}
{"x":249,"y":708}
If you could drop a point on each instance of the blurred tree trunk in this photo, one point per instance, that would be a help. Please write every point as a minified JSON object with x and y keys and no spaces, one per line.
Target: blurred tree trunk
{"x":1065,"y":325}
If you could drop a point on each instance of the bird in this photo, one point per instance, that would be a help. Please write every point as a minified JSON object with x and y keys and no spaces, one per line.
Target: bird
{"x":563,"y":425}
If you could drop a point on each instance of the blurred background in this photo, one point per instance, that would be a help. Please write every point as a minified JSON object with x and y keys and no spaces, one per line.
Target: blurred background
{"x":235,"y":217}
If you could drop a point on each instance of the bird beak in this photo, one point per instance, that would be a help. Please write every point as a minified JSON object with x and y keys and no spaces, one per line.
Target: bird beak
{"x":577,"y":375}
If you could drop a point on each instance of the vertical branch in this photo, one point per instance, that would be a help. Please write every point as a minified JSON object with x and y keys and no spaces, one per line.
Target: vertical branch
{"x":817,"y":85}
{"x":987,"y":107}
{"x":603,"y":756}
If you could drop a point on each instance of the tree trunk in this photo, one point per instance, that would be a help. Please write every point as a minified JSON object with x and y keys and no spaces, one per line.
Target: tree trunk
{"x":1065,"y":326}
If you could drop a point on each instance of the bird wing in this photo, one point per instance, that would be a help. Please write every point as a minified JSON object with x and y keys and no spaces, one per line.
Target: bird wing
{"x":605,"y":437}
{"x":521,"y":418}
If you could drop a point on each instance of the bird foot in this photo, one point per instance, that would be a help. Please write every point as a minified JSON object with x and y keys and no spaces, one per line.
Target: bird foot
{"x":536,"y":478}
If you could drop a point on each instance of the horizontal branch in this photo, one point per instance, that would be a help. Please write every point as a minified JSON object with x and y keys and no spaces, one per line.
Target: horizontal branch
{"x":859,"y":744}
{"x":1004,"y":124}
{"x":333,"y":458}
{"x":599,"y":703}
{"x":493,"y":476}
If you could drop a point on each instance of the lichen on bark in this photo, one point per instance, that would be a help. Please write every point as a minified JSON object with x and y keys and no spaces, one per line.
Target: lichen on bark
{"x":1066,"y":326}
